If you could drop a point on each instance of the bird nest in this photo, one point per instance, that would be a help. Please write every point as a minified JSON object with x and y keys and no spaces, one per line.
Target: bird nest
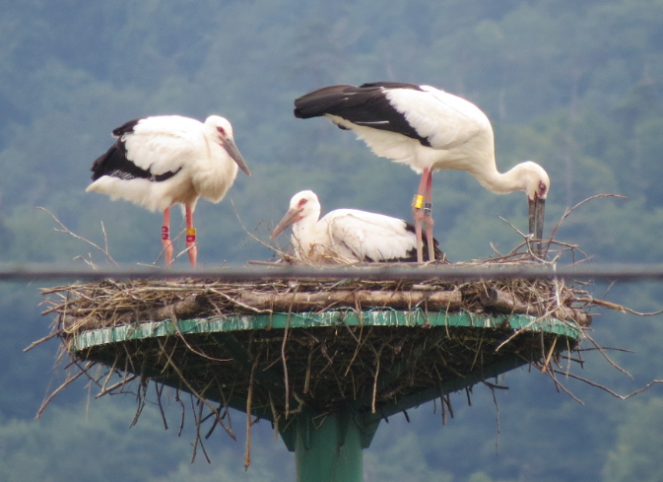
{"x":276,"y":373}
{"x":175,"y":333}
{"x":109,"y":303}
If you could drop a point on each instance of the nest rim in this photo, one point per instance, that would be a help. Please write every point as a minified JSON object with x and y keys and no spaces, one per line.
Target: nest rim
{"x":88,"y":339}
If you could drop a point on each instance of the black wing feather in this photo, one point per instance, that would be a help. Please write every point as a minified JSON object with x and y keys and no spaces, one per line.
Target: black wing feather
{"x":116,"y":164}
{"x":365,"y":105}
{"x":127,"y":127}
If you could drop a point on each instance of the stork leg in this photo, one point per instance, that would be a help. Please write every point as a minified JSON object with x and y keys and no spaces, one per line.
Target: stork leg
{"x":191,"y":237}
{"x":165,"y":237}
{"x":418,"y":215}
{"x":428,"y":217}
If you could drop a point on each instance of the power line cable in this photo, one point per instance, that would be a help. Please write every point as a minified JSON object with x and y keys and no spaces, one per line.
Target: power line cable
{"x":627,"y":272}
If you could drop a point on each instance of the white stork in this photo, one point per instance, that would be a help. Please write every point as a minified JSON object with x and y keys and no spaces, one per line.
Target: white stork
{"x":347,"y":234}
{"x":429,"y":130}
{"x":164,"y":160}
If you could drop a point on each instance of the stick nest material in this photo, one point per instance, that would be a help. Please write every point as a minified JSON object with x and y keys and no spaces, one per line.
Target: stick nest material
{"x":108,"y":303}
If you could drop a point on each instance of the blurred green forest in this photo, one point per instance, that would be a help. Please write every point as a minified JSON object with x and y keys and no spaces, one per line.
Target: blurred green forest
{"x":575,"y":86}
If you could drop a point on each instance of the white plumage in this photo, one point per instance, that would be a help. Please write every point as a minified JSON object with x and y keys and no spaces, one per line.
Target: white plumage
{"x":164,"y":160}
{"x":427,"y":129}
{"x":346,"y":234}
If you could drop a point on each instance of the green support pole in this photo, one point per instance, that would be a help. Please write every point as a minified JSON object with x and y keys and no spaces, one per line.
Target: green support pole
{"x":328,"y":449}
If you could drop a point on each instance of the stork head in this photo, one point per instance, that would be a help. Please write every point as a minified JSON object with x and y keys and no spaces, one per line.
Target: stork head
{"x":536,"y":185}
{"x":303,"y":205}
{"x":534,"y":179}
{"x":222,"y":132}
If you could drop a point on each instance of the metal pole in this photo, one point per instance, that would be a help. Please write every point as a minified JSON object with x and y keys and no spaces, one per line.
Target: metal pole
{"x":328,"y":448}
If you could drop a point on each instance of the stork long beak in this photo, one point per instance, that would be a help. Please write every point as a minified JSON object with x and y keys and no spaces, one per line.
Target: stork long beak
{"x":231,"y":148}
{"x":290,"y":218}
{"x":537,"y":208}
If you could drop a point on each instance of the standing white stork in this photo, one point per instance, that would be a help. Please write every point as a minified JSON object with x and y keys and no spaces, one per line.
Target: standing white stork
{"x":348,"y":234}
{"x":164,"y":160}
{"x":429,"y":130}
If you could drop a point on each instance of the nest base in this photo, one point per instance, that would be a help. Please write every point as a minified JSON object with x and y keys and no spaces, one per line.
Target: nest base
{"x":374,"y":363}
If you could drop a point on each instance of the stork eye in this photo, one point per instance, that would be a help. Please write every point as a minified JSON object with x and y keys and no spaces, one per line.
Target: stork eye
{"x":302,"y":202}
{"x":222,"y":131}
{"x":542,"y":188}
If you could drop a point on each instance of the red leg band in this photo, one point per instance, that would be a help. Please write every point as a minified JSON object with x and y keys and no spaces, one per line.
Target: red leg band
{"x":191,"y":235}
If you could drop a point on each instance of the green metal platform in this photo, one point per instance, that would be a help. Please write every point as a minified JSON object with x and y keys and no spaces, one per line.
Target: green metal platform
{"x":330,"y":419}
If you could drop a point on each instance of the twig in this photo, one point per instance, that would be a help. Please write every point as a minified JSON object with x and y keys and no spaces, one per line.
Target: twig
{"x":253,"y":236}
{"x":497,"y":418}
{"x":65,"y":229}
{"x":606,"y":389}
{"x":570,"y":210}
{"x":40,"y":341}
{"x":378,"y":355}
{"x":192,"y":390}
{"x":601,"y":350}
{"x":249,"y":399}
{"x":615,"y":306}
{"x":198,"y":440}
{"x":159,"y":391}
{"x":121,"y":383}
{"x":546,"y":363}
{"x":240,"y":303}
{"x":66,"y":383}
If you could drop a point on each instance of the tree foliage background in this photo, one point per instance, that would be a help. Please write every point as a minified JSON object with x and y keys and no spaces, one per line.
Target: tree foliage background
{"x":573,"y":85}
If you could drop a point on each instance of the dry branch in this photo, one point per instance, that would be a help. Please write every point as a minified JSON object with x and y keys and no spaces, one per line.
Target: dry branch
{"x":504,"y":302}
{"x":439,"y":300}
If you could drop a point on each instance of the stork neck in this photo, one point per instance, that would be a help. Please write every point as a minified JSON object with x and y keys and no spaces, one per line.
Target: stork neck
{"x":214,"y":173}
{"x":304,"y":231}
{"x":501,"y":183}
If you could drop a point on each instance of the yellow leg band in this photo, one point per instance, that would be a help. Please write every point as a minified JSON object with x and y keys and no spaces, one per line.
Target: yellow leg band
{"x":418,"y":201}
{"x":191,"y":235}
